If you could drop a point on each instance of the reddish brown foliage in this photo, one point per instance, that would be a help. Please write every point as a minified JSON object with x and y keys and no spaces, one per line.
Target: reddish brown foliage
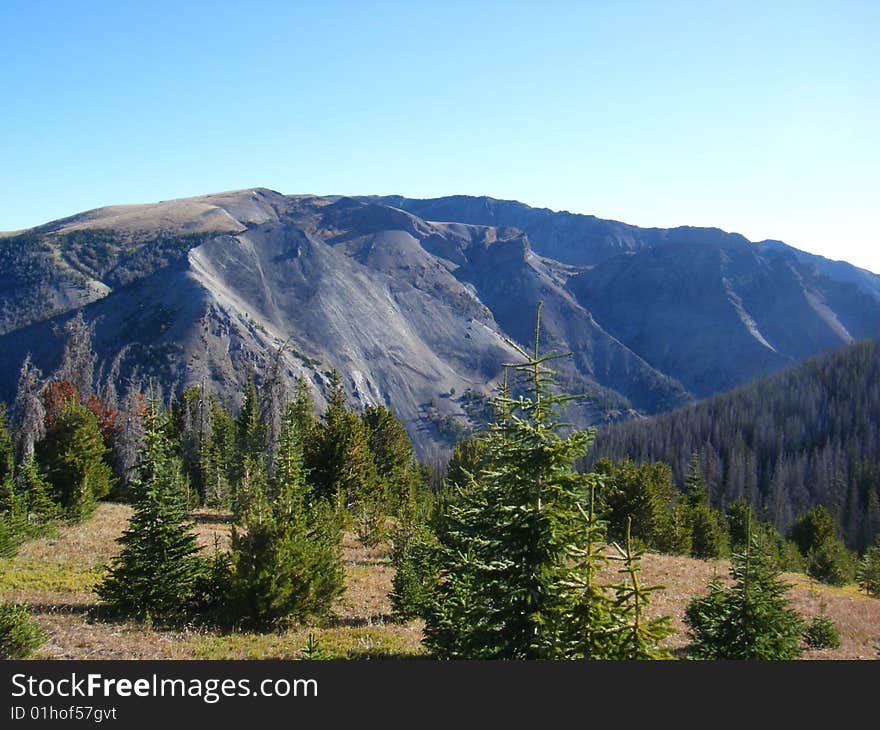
{"x":106,"y":418}
{"x":56,"y":396}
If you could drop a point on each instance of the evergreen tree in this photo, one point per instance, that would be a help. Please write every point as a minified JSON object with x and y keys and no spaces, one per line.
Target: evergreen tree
{"x":156,"y":572}
{"x":821,"y":633}
{"x":218,"y":455}
{"x":831,"y":562}
{"x":75,"y":454}
{"x":25,"y":505}
{"x":589,"y":623}
{"x":12,"y":522}
{"x":302,"y":409}
{"x":26,"y":510}
{"x":286,"y":550}
{"x":7,"y":450}
{"x":708,"y":533}
{"x":676,"y":537}
{"x":20,"y":635}
{"x":190,"y":429}
{"x":392,"y":454}
{"x":738,"y":521}
{"x":272,"y":403}
{"x":517,"y":574}
{"x":752,"y":619}
{"x":827,"y":558}
{"x":321,"y":450}
{"x":812,"y":529}
{"x":250,"y":431}
{"x":640,"y":637}
{"x":36,"y":492}
{"x":414,"y":556}
{"x":695,"y":484}
{"x":871,"y":521}
{"x":251,"y":488}
{"x":464,"y":462}
{"x":342,"y":467}
{"x":312,"y":651}
{"x":642,"y":497}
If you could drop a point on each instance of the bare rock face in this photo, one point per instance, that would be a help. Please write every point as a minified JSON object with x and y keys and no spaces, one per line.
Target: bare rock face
{"x":417,"y":314}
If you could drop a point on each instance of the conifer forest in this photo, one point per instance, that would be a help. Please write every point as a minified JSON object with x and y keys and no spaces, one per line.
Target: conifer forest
{"x":530,"y":542}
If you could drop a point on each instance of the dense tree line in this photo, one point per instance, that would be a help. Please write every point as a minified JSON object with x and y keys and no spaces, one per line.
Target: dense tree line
{"x":805,"y":437}
{"x":291,"y":480}
{"x":505,"y":561}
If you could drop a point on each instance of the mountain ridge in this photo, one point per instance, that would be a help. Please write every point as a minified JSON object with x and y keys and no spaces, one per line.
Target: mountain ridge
{"x":416,"y":312}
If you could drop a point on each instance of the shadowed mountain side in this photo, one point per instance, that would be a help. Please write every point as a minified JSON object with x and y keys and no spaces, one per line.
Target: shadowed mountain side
{"x":837,"y":270}
{"x":714,"y":318}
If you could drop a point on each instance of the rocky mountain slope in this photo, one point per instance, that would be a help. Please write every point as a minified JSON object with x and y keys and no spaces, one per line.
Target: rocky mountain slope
{"x":416,"y":302}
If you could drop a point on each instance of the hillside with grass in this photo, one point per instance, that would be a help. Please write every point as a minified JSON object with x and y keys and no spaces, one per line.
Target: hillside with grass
{"x":56,"y":577}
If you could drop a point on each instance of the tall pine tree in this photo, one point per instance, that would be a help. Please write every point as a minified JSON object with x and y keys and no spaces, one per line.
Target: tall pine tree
{"x":519,"y":551}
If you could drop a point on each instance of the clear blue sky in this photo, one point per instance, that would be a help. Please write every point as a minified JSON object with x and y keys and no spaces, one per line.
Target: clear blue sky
{"x":757,"y":117}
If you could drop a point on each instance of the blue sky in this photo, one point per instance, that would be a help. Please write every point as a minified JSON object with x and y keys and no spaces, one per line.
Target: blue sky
{"x":756,"y":117}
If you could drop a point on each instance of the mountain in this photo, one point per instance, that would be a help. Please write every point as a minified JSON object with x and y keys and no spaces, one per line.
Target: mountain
{"x":708,"y":308}
{"x":808,"y":435}
{"x":586,"y":240}
{"x":417,"y":303}
{"x":837,"y":270}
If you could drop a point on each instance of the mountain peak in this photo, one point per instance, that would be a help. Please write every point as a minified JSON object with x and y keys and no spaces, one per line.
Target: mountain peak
{"x":416,"y":302}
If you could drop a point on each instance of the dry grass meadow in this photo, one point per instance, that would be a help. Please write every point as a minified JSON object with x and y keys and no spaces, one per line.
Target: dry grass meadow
{"x":56,"y":577}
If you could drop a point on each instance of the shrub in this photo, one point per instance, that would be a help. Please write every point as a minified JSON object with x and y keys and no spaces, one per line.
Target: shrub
{"x":812,"y":529}
{"x":831,"y":562}
{"x":20,"y":635}
{"x":869,"y":571}
{"x":822,"y":633}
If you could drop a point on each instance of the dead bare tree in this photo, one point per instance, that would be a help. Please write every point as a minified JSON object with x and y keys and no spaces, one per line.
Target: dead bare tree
{"x":78,"y":360}
{"x":28,"y":413}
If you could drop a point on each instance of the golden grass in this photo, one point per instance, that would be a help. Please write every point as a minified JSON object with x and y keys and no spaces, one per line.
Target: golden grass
{"x":56,"y":576}
{"x":336,"y":642}
{"x":213,"y":528}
